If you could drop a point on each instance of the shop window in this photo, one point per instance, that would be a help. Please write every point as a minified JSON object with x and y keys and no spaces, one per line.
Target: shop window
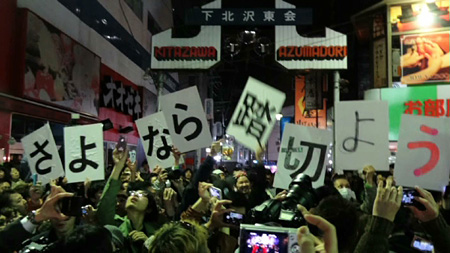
{"x":136,"y":6}
{"x":23,"y":125}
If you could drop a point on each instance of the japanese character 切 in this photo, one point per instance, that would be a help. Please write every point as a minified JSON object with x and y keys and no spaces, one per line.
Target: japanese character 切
{"x":40,"y":148}
{"x":355,"y":140}
{"x":207,"y":14}
{"x":414,"y":106}
{"x":228,"y":16}
{"x":311,"y":146}
{"x":434,"y":149}
{"x":435,"y":108}
{"x":180,"y":126}
{"x":289,"y":16}
{"x":83,"y":162}
{"x":269,"y":16}
{"x":249,"y":15}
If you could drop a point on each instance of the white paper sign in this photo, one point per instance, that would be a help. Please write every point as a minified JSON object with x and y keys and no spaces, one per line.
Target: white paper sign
{"x":254,"y":117}
{"x":83,"y":152}
{"x":156,"y":140}
{"x":362,"y":135}
{"x":423,"y":152}
{"x":303,"y":150}
{"x":42,"y":153}
{"x":186,"y":120}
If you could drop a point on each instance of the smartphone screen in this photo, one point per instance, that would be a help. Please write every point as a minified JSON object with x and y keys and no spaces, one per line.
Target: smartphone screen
{"x":408,"y":197}
{"x":72,"y":206}
{"x":121,"y":144}
{"x":215,"y":192}
{"x":233,"y":218}
{"x":422,"y":244}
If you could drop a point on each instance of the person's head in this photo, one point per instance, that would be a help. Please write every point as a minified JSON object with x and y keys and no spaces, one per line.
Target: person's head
{"x":188,"y":174}
{"x":126,"y":175}
{"x":145,"y":166}
{"x":2,"y":174}
{"x":13,"y":200}
{"x":341,"y":181}
{"x":5,"y":185}
{"x":269,"y":177}
{"x":141,"y":200}
{"x":15,"y":174}
{"x":343,"y":215}
{"x":63,"y":227}
{"x":182,"y":236}
{"x":95,"y":192}
{"x":89,"y":239}
{"x":121,"y":202}
{"x":243,"y":183}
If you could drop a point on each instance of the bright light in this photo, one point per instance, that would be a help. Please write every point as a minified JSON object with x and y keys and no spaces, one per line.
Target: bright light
{"x":208,"y":150}
{"x":430,"y":1}
{"x":330,"y":162}
{"x":4,"y":158}
{"x":217,"y":158}
{"x":278,"y":116}
{"x":426,"y":18}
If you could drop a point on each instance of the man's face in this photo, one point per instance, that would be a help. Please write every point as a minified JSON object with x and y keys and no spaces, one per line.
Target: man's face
{"x":14,"y":174}
{"x":63,"y":227}
{"x":341,"y":183}
{"x":19,"y":203}
{"x":137,"y":200}
{"x":4,"y":186}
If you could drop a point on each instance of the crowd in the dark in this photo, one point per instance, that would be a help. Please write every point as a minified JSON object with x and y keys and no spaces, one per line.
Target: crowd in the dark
{"x":179,"y":209}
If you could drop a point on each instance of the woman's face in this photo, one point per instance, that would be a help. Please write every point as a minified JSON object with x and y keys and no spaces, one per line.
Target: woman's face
{"x":15,"y":175}
{"x":137,"y":200}
{"x":2,"y":174}
{"x":188,"y":174}
{"x":243,"y":185}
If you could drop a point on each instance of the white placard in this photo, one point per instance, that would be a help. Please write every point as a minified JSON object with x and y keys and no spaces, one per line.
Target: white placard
{"x":362,"y":135}
{"x":83,"y":152}
{"x":423,"y":152}
{"x":156,"y":140}
{"x":186,"y":120}
{"x":254,"y":116}
{"x":303,"y":150}
{"x":43,"y":156}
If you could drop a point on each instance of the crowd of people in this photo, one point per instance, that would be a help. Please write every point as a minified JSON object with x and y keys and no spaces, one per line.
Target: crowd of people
{"x":174,"y":210}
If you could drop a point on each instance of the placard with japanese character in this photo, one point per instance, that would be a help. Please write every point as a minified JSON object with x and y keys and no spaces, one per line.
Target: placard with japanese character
{"x":186,"y":119}
{"x":362,"y":135}
{"x":422,"y":156}
{"x":83,"y":152}
{"x":303,"y":150}
{"x":156,"y":140}
{"x":254,"y":116}
{"x":42,"y":153}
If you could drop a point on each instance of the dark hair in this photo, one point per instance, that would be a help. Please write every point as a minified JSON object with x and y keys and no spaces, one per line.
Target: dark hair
{"x":88,"y":238}
{"x":5,"y":198}
{"x":186,"y":170}
{"x":152,"y":212}
{"x":95,"y":187}
{"x":343,"y":215}
{"x":337,"y":176}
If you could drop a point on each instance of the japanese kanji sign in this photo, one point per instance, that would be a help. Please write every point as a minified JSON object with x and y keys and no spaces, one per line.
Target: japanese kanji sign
{"x":43,"y":157}
{"x":254,"y":117}
{"x":423,"y":148}
{"x":362,"y":135}
{"x":156,"y":140}
{"x":186,"y":119}
{"x":121,"y":97}
{"x":303,"y":150}
{"x":83,"y":147}
{"x":260,"y":16}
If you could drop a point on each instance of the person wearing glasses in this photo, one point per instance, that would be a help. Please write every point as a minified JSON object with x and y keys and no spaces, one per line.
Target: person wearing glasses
{"x":142,"y":218}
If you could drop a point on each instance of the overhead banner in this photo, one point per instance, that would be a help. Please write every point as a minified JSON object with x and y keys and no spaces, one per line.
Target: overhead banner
{"x":307,"y":112}
{"x":43,"y":156}
{"x":156,"y":140}
{"x":83,"y":152}
{"x":362,"y":135}
{"x":254,"y":116}
{"x":296,"y":52}
{"x":200,"y":52}
{"x":186,"y":119}
{"x":425,"y":58}
{"x":423,"y":148}
{"x":303,"y":150}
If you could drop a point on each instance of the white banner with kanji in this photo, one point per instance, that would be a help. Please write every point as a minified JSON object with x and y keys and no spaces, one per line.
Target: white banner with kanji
{"x":155,"y":137}
{"x":43,"y":156}
{"x":362,"y":135}
{"x":254,"y":116}
{"x":423,"y":152}
{"x":186,"y":119}
{"x":303,"y":150}
{"x":84,"y":153}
